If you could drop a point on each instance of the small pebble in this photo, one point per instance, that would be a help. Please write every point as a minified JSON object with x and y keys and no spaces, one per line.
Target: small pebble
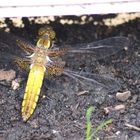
{"x":15,"y":85}
{"x":123,"y":96}
{"x":119,"y":107}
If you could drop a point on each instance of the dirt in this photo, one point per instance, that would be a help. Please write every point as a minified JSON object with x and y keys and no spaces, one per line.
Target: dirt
{"x":61,"y":110}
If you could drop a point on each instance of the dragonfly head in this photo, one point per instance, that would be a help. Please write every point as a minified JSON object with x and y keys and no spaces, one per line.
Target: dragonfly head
{"x":47,"y":30}
{"x":46,"y":35}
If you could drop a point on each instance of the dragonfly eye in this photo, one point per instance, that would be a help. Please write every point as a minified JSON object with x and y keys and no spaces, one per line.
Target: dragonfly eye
{"x":52,"y":34}
{"x":47,"y":31}
{"x":45,"y":37}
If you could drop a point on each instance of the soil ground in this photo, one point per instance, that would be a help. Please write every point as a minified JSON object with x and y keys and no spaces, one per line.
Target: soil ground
{"x":61,"y":112}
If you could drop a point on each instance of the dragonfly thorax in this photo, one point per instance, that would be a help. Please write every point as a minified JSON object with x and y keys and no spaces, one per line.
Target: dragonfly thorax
{"x":44,"y":42}
{"x":39,"y":56}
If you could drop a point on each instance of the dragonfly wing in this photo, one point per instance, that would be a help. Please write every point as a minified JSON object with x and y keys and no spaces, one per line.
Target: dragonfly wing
{"x":55,"y":67}
{"x":10,"y":52}
{"x":99,"y":49}
{"x":12,"y":64}
{"x":15,"y":45}
{"x":22,"y":63}
{"x":25,"y":46}
{"x":86,"y":81}
{"x":56,"y":52}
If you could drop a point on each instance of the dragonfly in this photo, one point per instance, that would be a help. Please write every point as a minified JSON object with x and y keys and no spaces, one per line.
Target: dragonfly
{"x":46,"y":59}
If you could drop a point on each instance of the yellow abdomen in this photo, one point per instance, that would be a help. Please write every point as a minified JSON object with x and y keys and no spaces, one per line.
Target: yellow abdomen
{"x":32,"y":91}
